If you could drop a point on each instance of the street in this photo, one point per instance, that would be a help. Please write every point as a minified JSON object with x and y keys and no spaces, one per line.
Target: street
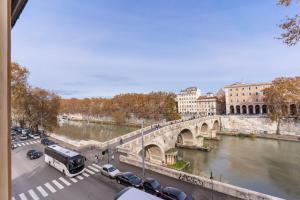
{"x":34,"y":179}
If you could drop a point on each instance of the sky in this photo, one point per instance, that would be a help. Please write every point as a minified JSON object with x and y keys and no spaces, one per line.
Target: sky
{"x":100,"y":48}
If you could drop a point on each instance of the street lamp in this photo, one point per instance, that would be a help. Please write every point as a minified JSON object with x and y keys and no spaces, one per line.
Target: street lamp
{"x":143,"y":150}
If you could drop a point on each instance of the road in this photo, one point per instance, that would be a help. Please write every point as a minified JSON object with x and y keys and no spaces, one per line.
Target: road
{"x":34,"y":179}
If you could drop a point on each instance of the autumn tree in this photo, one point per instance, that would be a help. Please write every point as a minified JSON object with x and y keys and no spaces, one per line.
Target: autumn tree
{"x":221,"y":101}
{"x":170,"y":108}
{"x":19,"y":90}
{"x":42,"y":108}
{"x":31,"y":106}
{"x":291,"y":26}
{"x":282,"y":93}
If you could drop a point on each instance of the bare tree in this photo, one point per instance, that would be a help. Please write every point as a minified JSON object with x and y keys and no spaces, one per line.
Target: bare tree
{"x":291,"y":26}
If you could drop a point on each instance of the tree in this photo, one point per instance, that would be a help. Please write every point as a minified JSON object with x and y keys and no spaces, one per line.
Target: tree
{"x":19,"y":90}
{"x":32,"y":106}
{"x":170,"y":108}
{"x":291,"y":26}
{"x":43,"y":107}
{"x":221,"y":101}
{"x":119,"y":117}
{"x":279,"y":96}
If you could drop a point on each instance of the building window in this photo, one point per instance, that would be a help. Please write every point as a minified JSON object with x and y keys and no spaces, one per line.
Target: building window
{"x":256,"y":93}
{"x":243,"y":94}
{"x":236,"y":89}
{"x":249,"y":93}
{"x":249,"y":88}
{"x":230,"y":89}
{"x":243,"y":88}
{"x":237,"y":95}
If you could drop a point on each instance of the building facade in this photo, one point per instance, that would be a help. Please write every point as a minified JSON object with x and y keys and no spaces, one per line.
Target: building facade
{"x":187,"y":100}
{"x":208,"y":105}
{"x":245,"y":98}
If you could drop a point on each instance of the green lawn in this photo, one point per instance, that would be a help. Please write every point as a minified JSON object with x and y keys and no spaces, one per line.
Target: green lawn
{"x":179,"y":165}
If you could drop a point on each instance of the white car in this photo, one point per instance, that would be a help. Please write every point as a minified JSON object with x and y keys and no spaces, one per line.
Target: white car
{"x":109,"y":170}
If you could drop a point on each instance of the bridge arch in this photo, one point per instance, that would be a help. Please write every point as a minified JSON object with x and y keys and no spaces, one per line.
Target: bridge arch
{"x":154,"y":153}
{"x":185,"y":137}
{"x":216,"y":126}
{"x":204,"y":127}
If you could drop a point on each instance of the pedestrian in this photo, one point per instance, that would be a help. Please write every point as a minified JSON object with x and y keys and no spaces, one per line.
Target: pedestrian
{"x":96,"y":158}
{"x":121,"y":141}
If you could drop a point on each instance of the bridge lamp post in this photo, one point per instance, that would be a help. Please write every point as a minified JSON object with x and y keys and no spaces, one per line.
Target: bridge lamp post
{"x":143,"y":151}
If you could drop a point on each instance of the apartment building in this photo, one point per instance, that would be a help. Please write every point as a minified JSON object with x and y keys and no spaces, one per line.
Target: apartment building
{"x":244,"y":98}
{"x":187,"y":100}
{"x":208,"y":105}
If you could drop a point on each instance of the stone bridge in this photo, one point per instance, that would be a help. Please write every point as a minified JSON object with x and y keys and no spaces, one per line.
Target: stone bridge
{"x":186,"y":133}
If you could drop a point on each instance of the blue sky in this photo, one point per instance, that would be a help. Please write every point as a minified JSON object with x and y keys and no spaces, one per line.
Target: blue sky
{"x":102,"y":48}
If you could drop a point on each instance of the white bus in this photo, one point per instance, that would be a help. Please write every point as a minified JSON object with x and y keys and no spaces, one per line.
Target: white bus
{"x":68,"y":162}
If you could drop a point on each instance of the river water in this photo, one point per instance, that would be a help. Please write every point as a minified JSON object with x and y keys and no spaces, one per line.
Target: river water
{"x":267,"y":166}
{"x":82,"y":130}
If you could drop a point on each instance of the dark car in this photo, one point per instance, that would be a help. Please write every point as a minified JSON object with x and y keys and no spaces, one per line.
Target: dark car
{"x":171,"y":193}
{"x":33,"y":154}
{"x":47,"y":142}
{"x":129,"y":179}
{"x":152,"y":186}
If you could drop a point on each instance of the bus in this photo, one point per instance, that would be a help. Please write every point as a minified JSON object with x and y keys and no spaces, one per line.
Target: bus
{"x":68,"y":162}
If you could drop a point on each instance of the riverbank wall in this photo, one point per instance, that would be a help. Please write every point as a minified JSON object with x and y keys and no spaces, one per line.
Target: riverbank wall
{"x":258,"y":125}
{"x":131,"y":121}
{"x":224,"y":188}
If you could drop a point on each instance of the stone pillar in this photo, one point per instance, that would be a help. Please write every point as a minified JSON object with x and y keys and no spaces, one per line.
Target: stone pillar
{"x":5,"y":149}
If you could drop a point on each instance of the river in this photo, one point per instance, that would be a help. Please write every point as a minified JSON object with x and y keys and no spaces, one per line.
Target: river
{"x":267,"y":166}
{"x":82,"y":130}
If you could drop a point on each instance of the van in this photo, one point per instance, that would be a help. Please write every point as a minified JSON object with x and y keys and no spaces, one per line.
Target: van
{"x":131,"y":193}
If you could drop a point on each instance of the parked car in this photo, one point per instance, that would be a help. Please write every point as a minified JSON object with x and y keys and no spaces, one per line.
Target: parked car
{"x":171,"y":193}
{"x":131,"y":193}
{"x":47,"y":142}
{"x":129,"y":179}
{"x":24,"y":137}
{"x":13,"y":146}
{"x":33,"y":154}
{"x":109,"y":170}
{"x":25,"y":131}
{"x":152,"y":186}
{"x":35,"y":135}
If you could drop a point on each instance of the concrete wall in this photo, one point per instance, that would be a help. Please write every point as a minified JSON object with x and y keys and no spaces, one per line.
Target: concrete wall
{"x":258,"y":124}
{"x":224,"y":188}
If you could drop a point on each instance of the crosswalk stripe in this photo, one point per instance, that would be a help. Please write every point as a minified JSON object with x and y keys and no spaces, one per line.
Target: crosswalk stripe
{"x":31,"y":142}
{"x":33,"y":195}
{"x":57,"y":184}
{"x":22,"y":144}
{"x":85,"y":174}
{"x":97,"y":166}
{"x":42,"y":191}
{"x":64,"y":181}
{"x":22,"y":196}
{"x":89,"y":171}
{"x":93,"y":168}
{"x":19,"y":145}
{"x":79,"y":177}
{"x":74,"y":180}
{"x":26,"y":143}
{"x":34,"y":142}
{"x":50,"y":187}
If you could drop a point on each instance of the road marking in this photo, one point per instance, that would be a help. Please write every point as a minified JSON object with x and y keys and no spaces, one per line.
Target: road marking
{"x":97,"y":166}
{"x":31,"y":142}
{"x":19,"y":145}
{"x":50,"y":187}
{"x":33,"y":195}
{"x":58,"y":184}
{"x":64,"y":181}
{"x":79,"y":177}
{"x":74,"y":180}
{"x":85,"y":174}
{"x":89,"y":171}
{"x":93,"y":168}
{"x":22,"y":144}
{"x":26,"y":143}
{"x":42,"y":191}
{"x":34,"y":142}
{"x":22,"y":196}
